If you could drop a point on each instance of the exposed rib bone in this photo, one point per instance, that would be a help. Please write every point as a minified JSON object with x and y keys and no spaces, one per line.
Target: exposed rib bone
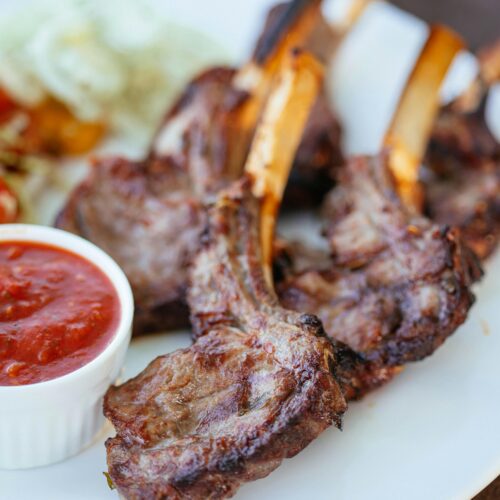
{"x":278,"y":137}
{"x":257,"y":75}
{"x":411,"y":124}
{"x":292,"y":29}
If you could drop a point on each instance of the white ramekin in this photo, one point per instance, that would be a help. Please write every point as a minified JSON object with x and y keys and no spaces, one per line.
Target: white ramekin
{"x":47,"y":422}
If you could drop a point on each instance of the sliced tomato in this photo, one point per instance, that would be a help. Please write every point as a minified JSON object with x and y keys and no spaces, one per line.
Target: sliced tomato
{"x":51,"y":128}
{"x":60,"y":133}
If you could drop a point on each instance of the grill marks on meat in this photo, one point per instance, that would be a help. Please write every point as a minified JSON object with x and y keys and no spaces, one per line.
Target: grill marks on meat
{"x":463,"y":178}
{"x":398,"y":284}
{"x":256,"y":387}
{"x":133,"y":209}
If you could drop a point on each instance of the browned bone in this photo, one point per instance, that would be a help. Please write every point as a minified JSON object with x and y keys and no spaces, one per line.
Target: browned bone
{"x":269,"y":165}
{"x":396,"y":285}
{"x":411,"y":125}
{"x":320,"y":153}
{"x":257,"y":386}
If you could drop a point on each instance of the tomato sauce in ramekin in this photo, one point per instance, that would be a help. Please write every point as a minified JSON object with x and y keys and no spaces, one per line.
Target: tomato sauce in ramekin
{"x":58,"y":312}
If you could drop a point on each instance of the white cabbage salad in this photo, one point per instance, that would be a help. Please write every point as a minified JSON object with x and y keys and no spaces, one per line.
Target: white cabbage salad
{"x":115,"y":61}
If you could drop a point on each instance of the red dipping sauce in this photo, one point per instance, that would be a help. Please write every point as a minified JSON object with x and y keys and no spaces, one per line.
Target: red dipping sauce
{"x":58,"y":311}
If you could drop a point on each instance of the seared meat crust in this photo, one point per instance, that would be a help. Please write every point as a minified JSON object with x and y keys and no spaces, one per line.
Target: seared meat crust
{"x":398,"y":285}
{"x":256,"y":387}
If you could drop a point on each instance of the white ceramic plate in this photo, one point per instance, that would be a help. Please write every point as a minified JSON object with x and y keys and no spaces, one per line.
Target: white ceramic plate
{"x":433,"y":432}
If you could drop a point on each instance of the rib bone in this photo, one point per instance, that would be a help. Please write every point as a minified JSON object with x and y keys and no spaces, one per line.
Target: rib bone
{"x":409,"y":132}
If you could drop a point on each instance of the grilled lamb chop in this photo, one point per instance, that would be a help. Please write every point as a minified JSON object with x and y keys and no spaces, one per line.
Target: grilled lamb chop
{"x":462,"y":183}
{"x":257,"y":386}
{"x":397,"y":285}
{"x":148,"y":215}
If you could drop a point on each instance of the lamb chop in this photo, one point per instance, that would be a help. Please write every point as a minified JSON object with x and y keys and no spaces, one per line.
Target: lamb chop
{"x":462,"y":181}
{"x":257,"y":386}
{"x":148,"y":215}
{"x":397,"y":284}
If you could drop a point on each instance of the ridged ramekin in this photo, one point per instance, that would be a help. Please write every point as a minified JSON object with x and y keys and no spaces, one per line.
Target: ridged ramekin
{"x":49,"y":421}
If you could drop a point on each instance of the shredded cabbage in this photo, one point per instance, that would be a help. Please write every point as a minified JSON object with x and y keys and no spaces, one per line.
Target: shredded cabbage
{"x":114,"y":61}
